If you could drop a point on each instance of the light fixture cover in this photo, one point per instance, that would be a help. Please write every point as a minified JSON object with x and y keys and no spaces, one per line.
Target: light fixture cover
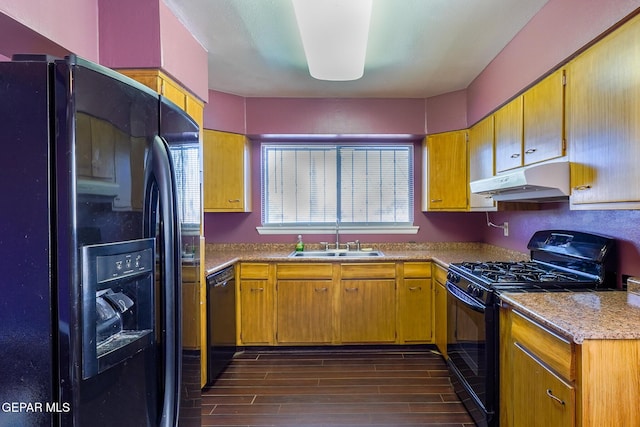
{"x":334,"y":36}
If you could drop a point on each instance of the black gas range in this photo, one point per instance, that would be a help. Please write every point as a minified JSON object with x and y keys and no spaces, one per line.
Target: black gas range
{"x":560,"y":261}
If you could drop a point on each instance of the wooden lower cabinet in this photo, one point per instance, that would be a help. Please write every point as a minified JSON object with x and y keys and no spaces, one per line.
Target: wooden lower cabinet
{"x":540,"y":397}
{"x":256,"y":314}
{"x":548,"y":380}
{"x":415,"y":296}
{"x":331,"y":303}
{"x":304,"y":306}
{"x":440,"y":309}
{"x":367,"y":311}
{"x":190,"y":308}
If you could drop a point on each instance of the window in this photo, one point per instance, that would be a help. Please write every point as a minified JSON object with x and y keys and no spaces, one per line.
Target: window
{"x":310,"y":185}
{"x":186,"y":162}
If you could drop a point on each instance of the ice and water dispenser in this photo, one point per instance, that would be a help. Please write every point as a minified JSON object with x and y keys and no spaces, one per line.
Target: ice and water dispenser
{"x":118,"y":281}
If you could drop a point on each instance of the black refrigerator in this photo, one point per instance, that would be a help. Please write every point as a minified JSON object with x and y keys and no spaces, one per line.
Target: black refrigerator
{"x":90,"y":241}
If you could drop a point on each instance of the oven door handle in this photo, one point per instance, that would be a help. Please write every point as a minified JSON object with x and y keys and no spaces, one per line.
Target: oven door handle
{"x":465,"y":299}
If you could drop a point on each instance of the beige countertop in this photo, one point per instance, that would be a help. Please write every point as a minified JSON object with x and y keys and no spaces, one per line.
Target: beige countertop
{"x":604,"y":315}
{"x":218,"y":256}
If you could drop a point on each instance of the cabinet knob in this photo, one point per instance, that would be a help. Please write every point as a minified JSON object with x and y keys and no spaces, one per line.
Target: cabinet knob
{"x":554,"y":397}
{"x":581,"y":187}
{"x":530,"y":151}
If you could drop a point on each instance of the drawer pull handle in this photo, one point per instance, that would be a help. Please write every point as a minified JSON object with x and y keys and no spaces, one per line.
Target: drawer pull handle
{"x":582,"y":187}
{"x":515,"y":155}
{"x":436,"y":200}
{"x":351,"y":289}
{"x":415,"y":288}
{"x":321,"y":289}
{"x":557,"y":399}
{"x":234,"y":200}
{"x":530,"y":151}
{"x":257,"y":289}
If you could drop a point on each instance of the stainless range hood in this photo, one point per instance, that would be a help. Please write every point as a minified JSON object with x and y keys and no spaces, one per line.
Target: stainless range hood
{"x":537,"y":183}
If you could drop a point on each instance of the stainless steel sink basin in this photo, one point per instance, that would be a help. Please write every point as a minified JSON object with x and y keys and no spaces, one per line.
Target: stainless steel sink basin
{"x":336,"y":254}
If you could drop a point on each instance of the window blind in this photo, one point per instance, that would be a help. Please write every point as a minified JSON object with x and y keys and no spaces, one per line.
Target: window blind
{"x":186,"y":162}
{"x":353,"y":184}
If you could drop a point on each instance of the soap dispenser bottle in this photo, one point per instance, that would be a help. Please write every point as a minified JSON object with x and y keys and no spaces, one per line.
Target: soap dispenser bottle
{"x":299,"y":244}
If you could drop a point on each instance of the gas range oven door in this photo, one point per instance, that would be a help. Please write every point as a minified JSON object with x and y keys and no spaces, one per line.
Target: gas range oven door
{"x":472,"y":349}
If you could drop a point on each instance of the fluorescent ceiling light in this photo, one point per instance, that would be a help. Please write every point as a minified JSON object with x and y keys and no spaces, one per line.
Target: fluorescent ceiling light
{"x":334,"y":36}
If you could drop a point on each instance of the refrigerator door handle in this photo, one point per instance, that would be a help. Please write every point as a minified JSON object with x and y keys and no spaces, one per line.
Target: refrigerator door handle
{"x":160,"y":191}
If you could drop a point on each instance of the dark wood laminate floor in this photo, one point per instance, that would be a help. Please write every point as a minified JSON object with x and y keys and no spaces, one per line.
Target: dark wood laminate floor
{"x":334,"y":388}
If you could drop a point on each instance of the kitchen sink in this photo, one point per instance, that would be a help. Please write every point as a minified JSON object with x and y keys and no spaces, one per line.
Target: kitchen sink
{"x":336,"y":254}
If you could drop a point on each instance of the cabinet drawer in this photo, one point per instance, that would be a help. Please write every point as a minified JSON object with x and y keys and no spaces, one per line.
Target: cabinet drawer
{"x":369,"y":271}
{"x":552,"y":349}
{"x":304,"y":271}
{"x":254,"y":271}
{"x":440,"y":274}
{"x":417,"y":269}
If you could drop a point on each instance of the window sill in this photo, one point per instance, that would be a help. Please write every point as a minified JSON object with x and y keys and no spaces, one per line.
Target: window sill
{"x":391,"y":229}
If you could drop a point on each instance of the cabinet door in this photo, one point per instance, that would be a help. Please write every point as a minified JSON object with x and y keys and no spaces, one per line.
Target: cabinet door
{"x":256,"y":312}
{"x":508,"y":126}
{"x":603,"y":126}
{"x":415,"y":310}
{"x":540,"y":398}
{"x":224,"y":172}
{"x":447,"y":182}
{"x":440,"y":317}
{"x":543,"y":106}
{"x":368,"y":311}
{"x":305,"y":311}
{"x":481,"y":139}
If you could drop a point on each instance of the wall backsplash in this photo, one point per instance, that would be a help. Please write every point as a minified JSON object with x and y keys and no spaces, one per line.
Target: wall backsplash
{"x":623,"y":225}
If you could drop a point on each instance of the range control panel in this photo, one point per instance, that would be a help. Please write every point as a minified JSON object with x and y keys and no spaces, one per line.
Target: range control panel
{"x":118,"y":266}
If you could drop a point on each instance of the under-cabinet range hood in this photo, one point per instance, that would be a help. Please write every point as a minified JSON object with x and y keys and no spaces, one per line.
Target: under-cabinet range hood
{"x":537,"y":183}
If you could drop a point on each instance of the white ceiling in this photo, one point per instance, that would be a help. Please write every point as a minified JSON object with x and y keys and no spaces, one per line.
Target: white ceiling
{"x":417,"y":48}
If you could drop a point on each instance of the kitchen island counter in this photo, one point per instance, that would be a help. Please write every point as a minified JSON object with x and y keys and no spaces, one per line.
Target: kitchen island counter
{"x":218,"y":256}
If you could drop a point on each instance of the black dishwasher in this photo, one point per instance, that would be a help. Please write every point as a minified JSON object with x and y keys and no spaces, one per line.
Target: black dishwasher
{"x":221,"y":321}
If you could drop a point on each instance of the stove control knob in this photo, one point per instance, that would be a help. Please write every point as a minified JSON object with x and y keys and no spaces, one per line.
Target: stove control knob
{"x":453,"y":278}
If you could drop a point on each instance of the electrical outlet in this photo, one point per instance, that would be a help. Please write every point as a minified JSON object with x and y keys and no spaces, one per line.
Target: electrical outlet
{"x":505,"y":228}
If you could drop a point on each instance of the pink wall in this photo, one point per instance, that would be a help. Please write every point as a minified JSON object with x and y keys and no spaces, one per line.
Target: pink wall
{"x":225,"y":112}
{"x":446,"y":112}
{"x":335,"y":116}
{"x":183,"y":57}
{"x":37,"y":27}
{"x":165,"y":43}
{"x":561,"y":28}
{"x":119,"y":21}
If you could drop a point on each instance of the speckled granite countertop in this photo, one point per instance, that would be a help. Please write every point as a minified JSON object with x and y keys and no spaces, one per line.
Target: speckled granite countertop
{"x":583,"y":315}
{"x":218,"y":256}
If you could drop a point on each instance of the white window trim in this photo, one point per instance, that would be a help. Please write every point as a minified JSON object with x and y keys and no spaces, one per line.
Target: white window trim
{"x":344,"y":229}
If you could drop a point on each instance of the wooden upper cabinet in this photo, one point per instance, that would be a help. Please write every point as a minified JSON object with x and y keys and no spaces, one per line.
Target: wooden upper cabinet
{"x":508,"y":134}
{"x":481,"y":139}
{"x":226,"y":182}
{"x":170,"y":89}
{"x":603,"y":124}
{"x":543,"y":123}
{"x":446,"y":178}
